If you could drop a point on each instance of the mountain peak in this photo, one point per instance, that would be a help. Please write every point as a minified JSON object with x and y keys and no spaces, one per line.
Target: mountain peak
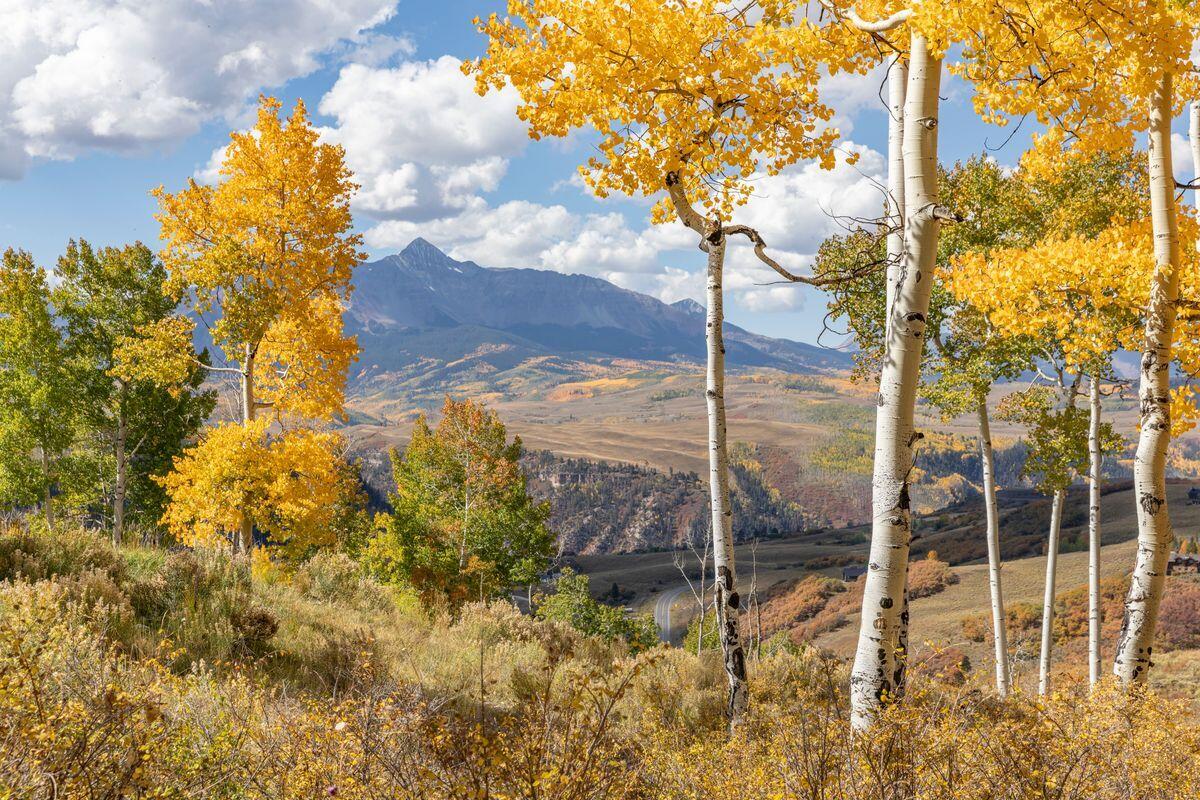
{"x":423,"y":250}
{"x":689,"y":305}
{"x":421,"y":306}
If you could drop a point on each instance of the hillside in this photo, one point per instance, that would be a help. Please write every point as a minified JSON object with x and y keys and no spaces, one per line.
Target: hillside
{"x":428,"y":324}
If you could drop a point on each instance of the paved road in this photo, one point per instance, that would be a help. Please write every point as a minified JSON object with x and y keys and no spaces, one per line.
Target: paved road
{"x":662,"y":610}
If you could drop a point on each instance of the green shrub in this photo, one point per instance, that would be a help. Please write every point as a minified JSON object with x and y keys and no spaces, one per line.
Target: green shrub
{"x":572,"y":604}
{"x":335,"y":577}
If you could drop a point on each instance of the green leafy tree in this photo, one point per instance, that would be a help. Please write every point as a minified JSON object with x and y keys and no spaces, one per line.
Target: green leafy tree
{"x":572,"y":603}
{"x":134,"y":427}
{"x":38,"y":395}
{"x":463,"y":524}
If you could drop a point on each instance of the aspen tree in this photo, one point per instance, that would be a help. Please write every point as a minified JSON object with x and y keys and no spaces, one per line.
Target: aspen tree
{"x":269,"y":250}
{"x":1098,"y":74}
{"x":1088,"y":296}
{"x":736,"y":97}
{"x":967,"y":356}
{"x":878,"y":672}
{"x":38,"y":398}
{"x":1064,"y":300}
{"x":104,"y":297}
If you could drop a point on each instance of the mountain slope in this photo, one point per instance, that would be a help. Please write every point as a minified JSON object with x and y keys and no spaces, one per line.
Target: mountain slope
{"x":422,"y":316}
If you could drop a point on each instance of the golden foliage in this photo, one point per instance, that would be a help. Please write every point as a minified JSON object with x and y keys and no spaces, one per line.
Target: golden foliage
{"x":1086,"y":294}
{"x":516,"y":708}
{"x":1083,"y":69}
{"x":270,"y":247}
{"x":290,"y":485}
{"x":734,"y":98}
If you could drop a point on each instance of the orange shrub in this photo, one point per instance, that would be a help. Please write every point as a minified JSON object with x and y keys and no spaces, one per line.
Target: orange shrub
{"x":928,"y":576}
{"x":797,"y":601}
{"x":1179,"y":615}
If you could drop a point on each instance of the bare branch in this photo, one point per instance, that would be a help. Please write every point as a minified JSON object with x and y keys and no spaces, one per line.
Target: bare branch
{"x":946,"y":215}
{"x":760,"y":250}
{"x":211,"y":368}
{"x":879,"y":26}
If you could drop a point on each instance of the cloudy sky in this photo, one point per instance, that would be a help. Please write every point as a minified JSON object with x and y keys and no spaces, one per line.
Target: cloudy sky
{"x":102,"y":100}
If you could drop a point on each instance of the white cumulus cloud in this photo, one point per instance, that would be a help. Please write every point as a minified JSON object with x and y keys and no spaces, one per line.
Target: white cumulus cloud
{"x":123,"y":75}
{"x":794,"y":211}
{"x":419,"y":138}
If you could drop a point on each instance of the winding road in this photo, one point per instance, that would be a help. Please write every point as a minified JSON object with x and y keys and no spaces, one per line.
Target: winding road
{"x":662,"y":610}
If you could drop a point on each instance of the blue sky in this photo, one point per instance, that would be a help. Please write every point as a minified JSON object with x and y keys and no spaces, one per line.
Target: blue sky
{"x":104,"y":99}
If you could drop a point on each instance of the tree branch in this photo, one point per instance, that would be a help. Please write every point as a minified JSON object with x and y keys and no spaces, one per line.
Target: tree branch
{"x":760,"y":250}
{"x":878,"y":26}
{"x":211,"y":368}
{"x":687,"y":214}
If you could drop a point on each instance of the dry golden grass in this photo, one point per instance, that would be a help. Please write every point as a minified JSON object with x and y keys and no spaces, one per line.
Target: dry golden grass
{"x":938,"y":619}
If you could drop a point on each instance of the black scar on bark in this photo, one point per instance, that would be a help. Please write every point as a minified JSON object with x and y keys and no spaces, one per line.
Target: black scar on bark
{"x":734,"y":601}
{"x":886,"y":602}
{"x":1150,"y":504}
{"x":905,"y":501}
{"x":738,"y":663}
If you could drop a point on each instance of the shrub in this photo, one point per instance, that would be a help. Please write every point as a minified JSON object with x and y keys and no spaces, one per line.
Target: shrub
{"x":976,"y":627}
{"x":37,"y":552}
{"x":796,"y":601}
{"x":1179,"y":615}
{"x":335,"y":577}
{"x":946,"y":664}
{"x":1071,"y":609}
{"x":573,"y":605}
{"x":928,"y":576}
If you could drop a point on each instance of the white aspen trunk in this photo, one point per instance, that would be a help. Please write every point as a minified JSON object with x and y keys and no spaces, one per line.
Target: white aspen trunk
{"x":727,"y":602}
{"x":878,"y":672}
{"x":119,"y":490}
{"x":245,"y":538}
{"x":897,"y":84}
{"x":1048,"y":596}
{"x":1095,"y":461}
{"x":703,"y":595}
{"x":1136,"y":644}
{"x":897,"y":89}
{"x":466,"y":514}
{"x":1194,"y":140}
{"x":47,"y":499}
{"x":999,"y":620}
